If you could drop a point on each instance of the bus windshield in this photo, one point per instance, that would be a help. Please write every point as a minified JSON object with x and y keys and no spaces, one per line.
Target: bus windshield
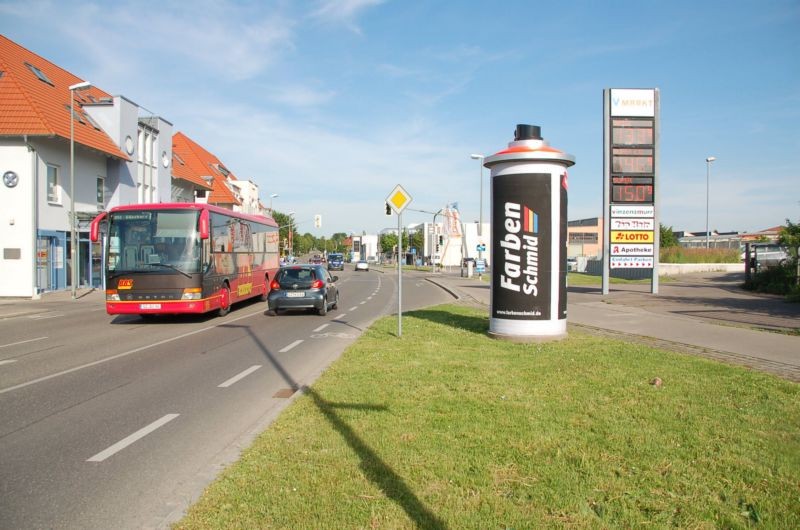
{"x":158,"y":240}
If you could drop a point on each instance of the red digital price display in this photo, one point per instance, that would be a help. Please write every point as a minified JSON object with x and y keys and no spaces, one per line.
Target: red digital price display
{"x":632,"y":193}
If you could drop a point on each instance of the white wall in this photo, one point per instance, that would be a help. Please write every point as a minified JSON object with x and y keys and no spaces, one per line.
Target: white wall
{"x":16,"y":220}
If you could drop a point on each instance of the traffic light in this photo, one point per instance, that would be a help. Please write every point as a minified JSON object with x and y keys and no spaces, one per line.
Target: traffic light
{"x":388,"y":209}
{"x":441,"y":240}
{"x":318,"y":221}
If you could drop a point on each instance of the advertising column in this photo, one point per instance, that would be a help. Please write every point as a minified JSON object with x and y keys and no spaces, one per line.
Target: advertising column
{"x":529,"y":231}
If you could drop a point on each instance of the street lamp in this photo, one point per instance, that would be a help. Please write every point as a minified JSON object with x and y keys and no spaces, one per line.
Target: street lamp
{"x":74,"y":244}
{"x":709,"y":160}
{"x":274,"y":195}
{"x":480,"y":215}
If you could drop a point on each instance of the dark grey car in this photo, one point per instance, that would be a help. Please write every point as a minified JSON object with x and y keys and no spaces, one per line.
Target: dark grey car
{"x":303,"y":287}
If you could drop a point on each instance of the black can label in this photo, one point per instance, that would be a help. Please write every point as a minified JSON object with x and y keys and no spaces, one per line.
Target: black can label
{"x":521,"y":246}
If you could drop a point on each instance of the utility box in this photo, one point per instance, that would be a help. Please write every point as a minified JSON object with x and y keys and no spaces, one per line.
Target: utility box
{"x":529,"y":239}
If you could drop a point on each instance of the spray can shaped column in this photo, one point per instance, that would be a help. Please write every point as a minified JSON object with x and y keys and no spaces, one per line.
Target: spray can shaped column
{"x":529,"y":239}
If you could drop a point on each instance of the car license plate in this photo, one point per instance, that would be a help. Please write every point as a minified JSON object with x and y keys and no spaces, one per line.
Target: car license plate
{"x":295,"y":294}
{"x":149,"y":306}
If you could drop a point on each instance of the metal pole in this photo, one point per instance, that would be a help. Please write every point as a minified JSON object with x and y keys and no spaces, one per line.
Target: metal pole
{"x":73,"y":243}
{"x":399,"y":276}
{"x":708,"y":174}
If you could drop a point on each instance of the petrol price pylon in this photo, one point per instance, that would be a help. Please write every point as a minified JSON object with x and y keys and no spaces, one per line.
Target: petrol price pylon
{"x":529,"y":239}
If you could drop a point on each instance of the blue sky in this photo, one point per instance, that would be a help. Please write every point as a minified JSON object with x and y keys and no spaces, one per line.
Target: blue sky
{"x":331,"y":103}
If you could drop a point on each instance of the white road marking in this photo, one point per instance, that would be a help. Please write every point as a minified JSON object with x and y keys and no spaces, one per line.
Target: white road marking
{"x":124,"y":354}
{"x":290,"y":346}
{"x":141,"y":433}
{"x":240,"y":376}
{"x":45,"y":316}
{"x":339,"y":317}
{"x":333,"y":335}
{"x":369,"y":298}
{"x":362,"y":303}
{"x":322,"y":327}
{"x":21,"y":342}
{"x":353,"y":308}
{"x":8,"y":361}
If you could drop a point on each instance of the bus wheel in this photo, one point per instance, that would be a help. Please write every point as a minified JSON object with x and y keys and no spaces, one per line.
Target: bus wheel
{"x":265,"y":294}
{"x":224,"y":300}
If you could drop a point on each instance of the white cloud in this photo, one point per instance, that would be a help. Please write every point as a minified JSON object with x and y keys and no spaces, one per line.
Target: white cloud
{"x":344,"y":12}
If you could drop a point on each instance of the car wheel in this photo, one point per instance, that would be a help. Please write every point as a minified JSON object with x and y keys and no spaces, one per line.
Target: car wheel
{"x":224,"y":301}
{"x":336,"y":301}
{"x":324,"y":309}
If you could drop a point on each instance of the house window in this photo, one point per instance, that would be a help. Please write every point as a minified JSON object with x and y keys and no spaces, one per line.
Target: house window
{"x":101,"y":193}
{"x":38,"y":73}
{"x":53,"y":186}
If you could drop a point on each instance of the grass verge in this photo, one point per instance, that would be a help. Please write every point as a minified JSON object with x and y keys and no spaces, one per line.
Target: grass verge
{"x":447,"y":428}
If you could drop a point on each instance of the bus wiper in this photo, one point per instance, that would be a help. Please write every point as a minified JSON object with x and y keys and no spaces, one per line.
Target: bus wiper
{"x":173,"y":267}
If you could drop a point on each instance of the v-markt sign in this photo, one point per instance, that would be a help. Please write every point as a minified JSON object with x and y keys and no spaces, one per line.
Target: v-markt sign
{"x":398,"y":199}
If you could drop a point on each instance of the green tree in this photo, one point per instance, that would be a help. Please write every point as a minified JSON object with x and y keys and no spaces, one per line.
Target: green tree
{"x":285,"y":225}
{"x":388,"y":242}
{"x":790,"y":236}
{"x":668,"y":238}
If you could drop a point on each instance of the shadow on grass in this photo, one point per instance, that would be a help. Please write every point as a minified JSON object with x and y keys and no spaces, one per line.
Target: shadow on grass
{"x":373,"y":467}
{"x":445,"y":317}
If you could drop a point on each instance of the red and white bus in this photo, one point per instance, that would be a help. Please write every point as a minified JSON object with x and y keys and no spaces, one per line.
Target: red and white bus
{"x":174,"y":258}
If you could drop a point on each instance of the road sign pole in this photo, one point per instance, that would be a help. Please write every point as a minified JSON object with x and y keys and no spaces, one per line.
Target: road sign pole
{"x":399,"y":275}
{"x":397,"y":200}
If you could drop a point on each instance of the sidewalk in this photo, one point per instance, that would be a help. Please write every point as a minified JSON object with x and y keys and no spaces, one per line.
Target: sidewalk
{"x":705,"y":314}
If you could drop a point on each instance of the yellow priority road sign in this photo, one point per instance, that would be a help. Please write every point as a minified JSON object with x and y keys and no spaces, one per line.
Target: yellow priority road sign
{"x":398,"y":199}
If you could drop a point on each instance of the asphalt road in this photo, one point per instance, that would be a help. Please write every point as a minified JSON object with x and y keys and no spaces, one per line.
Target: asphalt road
{"x":114,"y":422}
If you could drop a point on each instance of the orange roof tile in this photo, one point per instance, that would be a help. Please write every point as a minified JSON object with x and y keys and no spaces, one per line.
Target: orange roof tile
{"x":193,"y":163}
{"x":35,"y":107}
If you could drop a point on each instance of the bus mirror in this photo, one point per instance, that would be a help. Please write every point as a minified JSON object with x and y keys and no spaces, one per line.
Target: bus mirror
{"x":204,"y":231}
{"x":94,"y":229}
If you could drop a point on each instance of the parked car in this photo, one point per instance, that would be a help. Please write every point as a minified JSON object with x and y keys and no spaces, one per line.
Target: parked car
{"x":572,"y":264}
{"x":303,"y":287}
{"x":335,"y":262}
{"x":362,"y":265}
{"x":768,"y":255}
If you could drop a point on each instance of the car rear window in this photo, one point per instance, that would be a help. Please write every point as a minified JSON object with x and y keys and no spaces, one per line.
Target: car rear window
{"x":297,"y":275}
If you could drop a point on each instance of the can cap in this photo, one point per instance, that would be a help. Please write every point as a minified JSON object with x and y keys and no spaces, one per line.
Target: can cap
{"x":528,"y":145}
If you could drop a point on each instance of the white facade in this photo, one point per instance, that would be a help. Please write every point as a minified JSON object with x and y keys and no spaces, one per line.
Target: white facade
{"x":35,"y":225}
{"x":247,"y":192}
{"x":365,"y":246}
{"x":472,"y":240}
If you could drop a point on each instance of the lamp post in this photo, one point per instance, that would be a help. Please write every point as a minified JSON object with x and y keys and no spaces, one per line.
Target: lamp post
{"x":74,"y":244}
{"x":709,"y":160}
{"x":274,"y":195}
{"x":480,"y":158}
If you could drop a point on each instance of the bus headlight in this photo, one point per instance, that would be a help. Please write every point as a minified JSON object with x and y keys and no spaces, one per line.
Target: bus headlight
{"x":193,"y":293}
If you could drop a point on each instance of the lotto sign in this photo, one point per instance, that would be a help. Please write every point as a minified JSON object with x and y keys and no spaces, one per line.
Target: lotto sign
{"x":619,"y":236}
{"x":631,"y":250}
{"x":631,"y":262}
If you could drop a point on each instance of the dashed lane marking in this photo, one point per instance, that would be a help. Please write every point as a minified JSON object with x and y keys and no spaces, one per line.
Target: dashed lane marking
{"x":238,"y":377}
{"x":125,"y":442}
{"x":290,"y":346}
{"x":21,"y":342}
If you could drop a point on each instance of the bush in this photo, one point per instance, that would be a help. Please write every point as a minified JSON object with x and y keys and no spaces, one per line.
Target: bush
{"x":699,"y":255}
{"x":779,"y":279}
